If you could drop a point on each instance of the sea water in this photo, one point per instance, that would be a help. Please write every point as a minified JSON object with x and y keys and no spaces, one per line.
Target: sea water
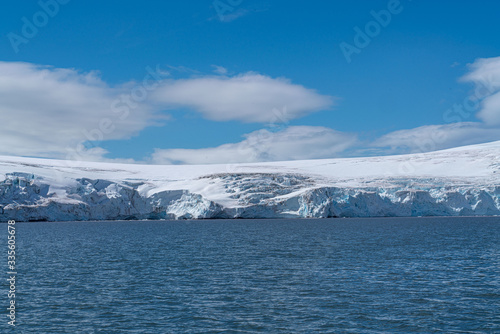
{"x":384,"y":275}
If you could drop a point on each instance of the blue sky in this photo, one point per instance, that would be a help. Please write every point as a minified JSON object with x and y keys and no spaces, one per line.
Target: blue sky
{"x":246,"y":80}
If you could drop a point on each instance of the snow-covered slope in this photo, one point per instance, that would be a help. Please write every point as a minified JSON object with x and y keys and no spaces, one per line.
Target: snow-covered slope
{"x":459,"y":181}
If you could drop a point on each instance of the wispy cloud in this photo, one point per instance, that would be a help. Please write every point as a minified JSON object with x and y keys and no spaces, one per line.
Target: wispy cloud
{"x":485,"y":74}
{"x":292,"y":143}
{"x":435,"y":137}
{"x":485,"y":98}
{"x":231,"y":10}
{"x":45,"y":110}
{"x":249,"y":97}
{"x":240,"y":12}
{"x":219,"y":69}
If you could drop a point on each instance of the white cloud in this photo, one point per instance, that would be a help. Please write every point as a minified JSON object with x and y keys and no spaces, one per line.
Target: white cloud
{"x":249,"y":97}
{"x":219,"y":69}
{"x":46,"y":110}
{"x":490,"y":111}
{"x":50,"y":112}
{"x":234,"y":15}
{"x":485,"y":73}
{"x":228,"y":11}
{"x":292,"y":143}
{"x":435,"y":137}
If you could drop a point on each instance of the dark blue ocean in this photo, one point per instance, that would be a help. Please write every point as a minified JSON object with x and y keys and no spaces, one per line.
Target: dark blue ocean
{"x":397,"y":275}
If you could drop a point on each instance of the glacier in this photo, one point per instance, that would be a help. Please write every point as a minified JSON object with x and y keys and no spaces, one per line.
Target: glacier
{"x":463,"y":181}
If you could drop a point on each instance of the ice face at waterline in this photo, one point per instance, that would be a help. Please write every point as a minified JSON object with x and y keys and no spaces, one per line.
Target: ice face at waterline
{"x":459,"y":181}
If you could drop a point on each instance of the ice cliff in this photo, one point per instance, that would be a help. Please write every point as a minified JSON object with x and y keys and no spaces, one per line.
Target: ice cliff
{"x":460,"y":181}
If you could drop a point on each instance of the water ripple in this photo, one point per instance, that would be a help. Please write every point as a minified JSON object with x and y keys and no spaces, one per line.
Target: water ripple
{"x":432,"y":275}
